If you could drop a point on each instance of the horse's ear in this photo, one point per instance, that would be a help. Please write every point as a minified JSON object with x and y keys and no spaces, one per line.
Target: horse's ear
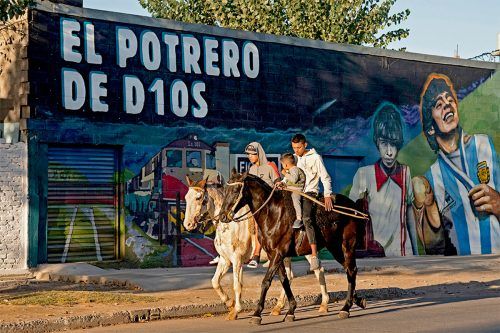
{"x":233,"y":172}
{"x":189,"y":181}
{"x":203,"y":182}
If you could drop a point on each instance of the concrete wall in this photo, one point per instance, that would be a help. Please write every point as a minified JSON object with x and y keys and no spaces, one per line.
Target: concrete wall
{"x":13,"y":205}
{"x":14,"y":86}
{"x":332,"y":93}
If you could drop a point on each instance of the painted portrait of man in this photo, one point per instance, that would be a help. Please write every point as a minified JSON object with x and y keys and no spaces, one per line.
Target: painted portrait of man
{"x":464,"y":179}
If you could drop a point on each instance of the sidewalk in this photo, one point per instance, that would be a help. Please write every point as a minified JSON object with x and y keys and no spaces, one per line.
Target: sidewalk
{"x":107,"y":297}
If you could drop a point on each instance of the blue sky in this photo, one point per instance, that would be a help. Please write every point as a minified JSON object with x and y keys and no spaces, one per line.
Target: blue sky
{"x":436,"y":26}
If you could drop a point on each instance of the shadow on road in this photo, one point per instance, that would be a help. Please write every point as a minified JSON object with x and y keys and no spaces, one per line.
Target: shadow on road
{"x":413,"y":298}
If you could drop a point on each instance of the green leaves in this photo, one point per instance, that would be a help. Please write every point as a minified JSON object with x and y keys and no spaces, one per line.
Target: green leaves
{"x":10,"y":9}
{"x":342,"y":21}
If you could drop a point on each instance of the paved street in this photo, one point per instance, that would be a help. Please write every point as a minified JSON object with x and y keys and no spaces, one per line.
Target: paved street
{"x":446,"y":313}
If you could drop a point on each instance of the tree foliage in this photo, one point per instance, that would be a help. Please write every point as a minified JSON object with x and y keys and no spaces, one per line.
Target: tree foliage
{"x":10,"y":9}
{"x":13,"y":28}
{"x":342,"y":21}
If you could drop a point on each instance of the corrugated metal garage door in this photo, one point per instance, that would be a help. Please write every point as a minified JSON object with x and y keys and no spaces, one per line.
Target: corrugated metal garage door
{"x":82,"y":204}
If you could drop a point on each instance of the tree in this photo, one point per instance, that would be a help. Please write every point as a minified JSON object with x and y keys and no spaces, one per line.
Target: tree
{"x":358,"y":22}
{"x":10,"y":9}
{"x":13,"y":28}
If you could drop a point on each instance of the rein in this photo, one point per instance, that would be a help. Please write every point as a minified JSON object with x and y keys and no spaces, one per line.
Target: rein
{"x":338,"y":209}
{"x":242,"y":217}
{"x":357,"y":214}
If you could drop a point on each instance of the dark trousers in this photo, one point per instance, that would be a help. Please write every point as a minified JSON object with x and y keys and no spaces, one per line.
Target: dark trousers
{"x":307,"y":206}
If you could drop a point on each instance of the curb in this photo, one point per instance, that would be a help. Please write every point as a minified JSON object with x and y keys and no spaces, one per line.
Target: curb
{"x":88,"y":279}
{"x":178,"y":311}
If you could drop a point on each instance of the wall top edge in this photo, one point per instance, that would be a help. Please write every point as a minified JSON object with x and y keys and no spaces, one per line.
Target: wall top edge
{"x":260,"y":37}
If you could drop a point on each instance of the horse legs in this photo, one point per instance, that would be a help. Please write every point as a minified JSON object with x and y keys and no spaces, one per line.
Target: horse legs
{"x":237,"y":286}
{"x":290,"y":315}
{"x":348,"y":248}
{"x":222,"y":268}
{"x":320,"y":275}
{"x":281,"y":300}
{"x":266,"y":283}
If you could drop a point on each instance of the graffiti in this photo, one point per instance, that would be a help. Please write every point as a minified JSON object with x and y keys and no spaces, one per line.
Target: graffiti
{"x":119,"y":190}
{"x":69,"y":235}
{"x":148,"y":49}
{"x":81,"y":212}
{"x":386,"y":185}
{"x":156,"y":196}
{"x":458,"y":187}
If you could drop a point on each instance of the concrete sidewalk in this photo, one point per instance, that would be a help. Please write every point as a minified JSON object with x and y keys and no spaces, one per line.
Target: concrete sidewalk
{"x":188,"y":291}
{"x":192,"y":278}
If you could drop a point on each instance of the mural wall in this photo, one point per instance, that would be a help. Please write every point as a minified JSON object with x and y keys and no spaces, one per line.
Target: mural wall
{"x":413,"y":137}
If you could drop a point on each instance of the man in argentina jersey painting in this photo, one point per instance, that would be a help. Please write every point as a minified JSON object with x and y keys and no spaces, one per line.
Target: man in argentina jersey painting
{"x":465,"y":178}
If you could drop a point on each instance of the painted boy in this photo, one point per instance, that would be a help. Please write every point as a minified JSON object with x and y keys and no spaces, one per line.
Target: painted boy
{"x":387,"y":186}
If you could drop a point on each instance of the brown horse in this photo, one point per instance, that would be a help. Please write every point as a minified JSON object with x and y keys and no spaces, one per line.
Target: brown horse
{"x":274,"y":214}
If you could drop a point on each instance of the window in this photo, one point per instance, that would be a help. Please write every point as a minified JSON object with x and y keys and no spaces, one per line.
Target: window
{"x":174,"y":158}
{"x":210,"y":161}
{"x":193,"y":159}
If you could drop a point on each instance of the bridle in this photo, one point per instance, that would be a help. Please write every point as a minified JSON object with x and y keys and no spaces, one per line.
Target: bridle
{"x":204,"y":203}
{"x":240,"y":196}
{"x":230,"y":213}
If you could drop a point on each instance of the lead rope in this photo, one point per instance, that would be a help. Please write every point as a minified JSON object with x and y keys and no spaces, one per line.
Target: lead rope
{"x":357,"y":214}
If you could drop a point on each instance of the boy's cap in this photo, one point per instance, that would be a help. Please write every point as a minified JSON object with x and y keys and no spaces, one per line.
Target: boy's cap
{"x":251,"y":149}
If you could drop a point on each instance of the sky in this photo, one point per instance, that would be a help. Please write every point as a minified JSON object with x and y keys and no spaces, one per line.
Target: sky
{"x":436,"y":26}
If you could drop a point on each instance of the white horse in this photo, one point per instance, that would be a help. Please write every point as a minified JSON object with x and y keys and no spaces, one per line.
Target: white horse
{"x":233,"y":242}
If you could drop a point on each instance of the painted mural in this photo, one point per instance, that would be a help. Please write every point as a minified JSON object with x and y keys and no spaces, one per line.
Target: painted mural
{"x":418,"y":146}
{"x":460,"y":189}
{"x":386,"y":185}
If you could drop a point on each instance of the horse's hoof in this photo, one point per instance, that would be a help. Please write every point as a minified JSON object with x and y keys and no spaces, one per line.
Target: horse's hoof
{"x":323,"y":308}
{"x":255,"y":320}
{"x":276,"y":311}
{"x":289,"y":318}
{"x":343,"y":314}
{"x":233,"y":315}
{"x":362,"y":303}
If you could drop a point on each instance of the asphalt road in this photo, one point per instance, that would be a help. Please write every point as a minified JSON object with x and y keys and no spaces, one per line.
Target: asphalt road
{"x":444,"y":313}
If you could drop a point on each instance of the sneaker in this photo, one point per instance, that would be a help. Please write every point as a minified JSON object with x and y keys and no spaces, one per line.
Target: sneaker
{"x":297,"y":224}
{"x":266,"y":264}
{"x":254,"y":263}
{"x":315,"y":263}
{"x":214,"y":261}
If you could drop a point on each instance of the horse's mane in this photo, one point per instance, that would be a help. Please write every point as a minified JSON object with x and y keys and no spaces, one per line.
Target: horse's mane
{"x":267,"y":189}
{"x":258,"y":180}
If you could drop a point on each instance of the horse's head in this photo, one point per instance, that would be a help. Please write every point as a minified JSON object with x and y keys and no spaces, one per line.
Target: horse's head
{"x":195,"y":202}
{"x":234,"y":196}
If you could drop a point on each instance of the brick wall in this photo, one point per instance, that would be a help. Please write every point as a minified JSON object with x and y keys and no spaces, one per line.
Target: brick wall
{"x":13,"y":205}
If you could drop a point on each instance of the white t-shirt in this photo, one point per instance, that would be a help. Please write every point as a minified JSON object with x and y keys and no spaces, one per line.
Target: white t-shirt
{"x":387,"y":209}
